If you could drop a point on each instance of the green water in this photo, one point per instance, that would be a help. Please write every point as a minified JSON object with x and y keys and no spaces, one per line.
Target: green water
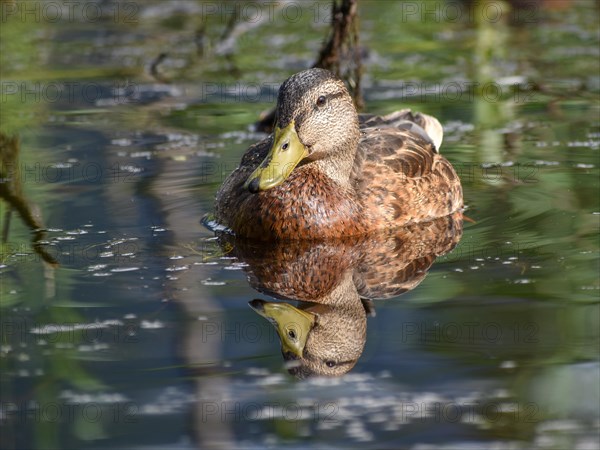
{"x":140,"y":336}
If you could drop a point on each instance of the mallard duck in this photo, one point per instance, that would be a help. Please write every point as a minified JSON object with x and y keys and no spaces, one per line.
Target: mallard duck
{"x":335,"y":280}
{"x":327,"y":172}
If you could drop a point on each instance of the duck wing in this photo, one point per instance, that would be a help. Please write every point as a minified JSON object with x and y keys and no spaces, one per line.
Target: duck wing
{"x":398,"y":174}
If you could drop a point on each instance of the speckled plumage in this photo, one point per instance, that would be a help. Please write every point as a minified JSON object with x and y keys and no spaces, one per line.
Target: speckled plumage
{"x":336,"y":276}
{"x":362,"y":174}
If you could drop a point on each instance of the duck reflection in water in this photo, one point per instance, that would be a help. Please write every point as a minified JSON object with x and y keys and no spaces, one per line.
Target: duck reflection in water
{"x":335,"y":283}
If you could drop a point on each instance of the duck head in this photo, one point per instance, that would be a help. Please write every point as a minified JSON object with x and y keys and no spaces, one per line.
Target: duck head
{"x":317,"y":123}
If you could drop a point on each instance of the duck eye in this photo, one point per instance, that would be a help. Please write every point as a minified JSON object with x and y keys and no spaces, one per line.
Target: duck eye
{"x":321,"y":100}
{"x":330,"y":363}
{"x":292,"y":334}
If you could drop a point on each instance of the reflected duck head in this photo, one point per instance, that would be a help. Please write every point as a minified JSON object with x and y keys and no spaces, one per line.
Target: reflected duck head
{"x":319,"y":339}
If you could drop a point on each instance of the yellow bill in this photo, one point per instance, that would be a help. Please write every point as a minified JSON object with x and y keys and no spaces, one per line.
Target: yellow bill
{"x":292,"y":324}
{"x":285,"y":154}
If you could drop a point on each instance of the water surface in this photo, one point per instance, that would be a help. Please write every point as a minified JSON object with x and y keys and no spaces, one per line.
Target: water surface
{"x":129,"y":326}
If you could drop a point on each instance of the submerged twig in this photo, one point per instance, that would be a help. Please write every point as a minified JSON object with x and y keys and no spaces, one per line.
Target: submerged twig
{"x":343,"y":46}
{"x":340,"y":49}
{"x":11,"y":193}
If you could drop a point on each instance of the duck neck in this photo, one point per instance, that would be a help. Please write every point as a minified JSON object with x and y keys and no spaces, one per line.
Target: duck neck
{"x":344,"y":294}
{"x":340,"y":165}
{"x":342,"y":300}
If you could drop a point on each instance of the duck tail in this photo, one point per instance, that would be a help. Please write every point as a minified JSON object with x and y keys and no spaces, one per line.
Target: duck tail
{"x":432,"y":127}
